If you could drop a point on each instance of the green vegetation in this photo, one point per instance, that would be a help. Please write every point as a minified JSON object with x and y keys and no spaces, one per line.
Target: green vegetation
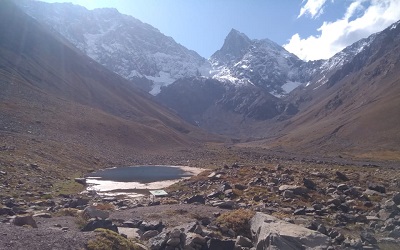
{"x":68,"y":187}
{"x":109,"y":240}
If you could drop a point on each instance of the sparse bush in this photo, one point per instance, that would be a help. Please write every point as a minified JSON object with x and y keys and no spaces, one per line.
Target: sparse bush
{"x":81,"y":221}
{"x":47,"y":196}
{"x":67,"y":212}
{"x":237,"y":220}
{"x":109,"y":240}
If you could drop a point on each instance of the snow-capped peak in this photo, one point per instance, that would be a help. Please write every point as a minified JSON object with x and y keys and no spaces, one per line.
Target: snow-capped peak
{"x":258,"y":62}
{"x":121,"y":43}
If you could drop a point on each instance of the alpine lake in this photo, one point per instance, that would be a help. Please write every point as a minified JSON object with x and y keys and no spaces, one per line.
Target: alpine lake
{"x":137,"y":181}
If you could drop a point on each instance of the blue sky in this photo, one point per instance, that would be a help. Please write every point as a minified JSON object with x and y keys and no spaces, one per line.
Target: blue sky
{"x":311,"y":29}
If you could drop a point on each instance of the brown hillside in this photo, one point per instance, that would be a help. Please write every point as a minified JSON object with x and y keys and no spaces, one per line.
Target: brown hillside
{"x":64,"y":112}
{"x":358,"y":115}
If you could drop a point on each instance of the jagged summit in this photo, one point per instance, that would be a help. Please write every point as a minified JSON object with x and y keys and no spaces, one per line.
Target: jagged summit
{"x":234,"y":47}
{"x":256,"y":62}
{"x":123,"y":44}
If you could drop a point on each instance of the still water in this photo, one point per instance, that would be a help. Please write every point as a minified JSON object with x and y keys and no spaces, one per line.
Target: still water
{"x":136,"y":181}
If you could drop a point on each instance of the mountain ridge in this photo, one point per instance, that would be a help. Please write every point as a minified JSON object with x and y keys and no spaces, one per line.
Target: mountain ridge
{"x":65,"y":112}
{"x":133,"y":49}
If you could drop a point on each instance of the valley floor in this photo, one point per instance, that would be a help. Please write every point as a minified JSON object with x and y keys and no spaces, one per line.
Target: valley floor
{"x":340,"y":198}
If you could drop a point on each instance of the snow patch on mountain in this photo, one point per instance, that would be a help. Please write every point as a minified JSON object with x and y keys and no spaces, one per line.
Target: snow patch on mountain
{"x":261,"y":63}
{"x":121,"y":43}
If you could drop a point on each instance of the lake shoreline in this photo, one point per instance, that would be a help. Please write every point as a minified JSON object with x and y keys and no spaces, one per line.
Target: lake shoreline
{"x":137,"y":189}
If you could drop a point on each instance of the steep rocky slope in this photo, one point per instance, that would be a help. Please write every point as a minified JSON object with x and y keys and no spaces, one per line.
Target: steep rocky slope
{"x":252,"y":92}
{"x":64,"y":113}
{"x":355,"y":110}
{"x":121,"y":43}
{"x":256,"y":62}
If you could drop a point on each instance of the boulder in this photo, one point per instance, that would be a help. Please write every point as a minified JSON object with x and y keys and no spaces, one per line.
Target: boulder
{"x":196,"y":199}
{"x":341,"y":176}
{"x":158,"y":242}
{"x":368,"y":237}
{"x":151,"y":225}
{"x":295,"y":189}
{"x":174,"y":242}
{"x":377,"y":187}
{"x":272,"y":233}
{"x":229,"y":193}
{"x":240,"y":186}
{"x":132,"y":223}
{"x":395,"y":233}
{"x":6,"y":211}
{"x":299,"y":211}
{"x":149,"y":234}
{"x":176,"y":233}
{"x":214,"y":194}
{"x":342,"y":187}
{"x":92,"y":212}
{"x":243,"y":241}
{"x":96,"y":223}
{"x":218,"y":244}
{"x":77,"y":202}
{"x":27,"y":219}
{"x":288,"y":194}
{"x":396,"y":198}
{"x":81,"y":181}
{"x":309,"y":184}
{"x":225,"y":204}
{"x":194,"y":241}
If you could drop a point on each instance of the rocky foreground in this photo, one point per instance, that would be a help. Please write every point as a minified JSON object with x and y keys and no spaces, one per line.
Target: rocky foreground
{"x":285,"y":205}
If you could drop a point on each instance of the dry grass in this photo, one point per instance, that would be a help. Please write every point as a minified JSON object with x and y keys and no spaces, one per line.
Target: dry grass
{"x":237,"y":220}
{"x":73,"y":212}
{"x":109,"y":240}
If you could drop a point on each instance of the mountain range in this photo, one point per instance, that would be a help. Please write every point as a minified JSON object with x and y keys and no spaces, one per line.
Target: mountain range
{"x":273,"y":136}
{"x":73,"y":113}
{"x":249,"y":88}
{"x":123,"y":44}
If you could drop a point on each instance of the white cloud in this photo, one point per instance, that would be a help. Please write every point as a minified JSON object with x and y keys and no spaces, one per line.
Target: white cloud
{"x":358,"y":22}
{"x":312,"y":7}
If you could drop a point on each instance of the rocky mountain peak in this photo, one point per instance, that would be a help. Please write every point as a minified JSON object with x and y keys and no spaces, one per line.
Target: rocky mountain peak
{"x":234,"y":47}
{"x":123,"y":44}
{"x":261,"y":63}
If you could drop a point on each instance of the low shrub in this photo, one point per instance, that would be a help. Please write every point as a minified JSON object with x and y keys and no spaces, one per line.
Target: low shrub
{"x":237,"y":220}
{"x":109,"y":240}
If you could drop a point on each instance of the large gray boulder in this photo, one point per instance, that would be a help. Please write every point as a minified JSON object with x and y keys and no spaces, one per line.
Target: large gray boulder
{"x":93,"y":212}
{"x":99,"y":223}
{"x":272,"y":233}
{"x":297,"y":190}
{"x":22,"y":220}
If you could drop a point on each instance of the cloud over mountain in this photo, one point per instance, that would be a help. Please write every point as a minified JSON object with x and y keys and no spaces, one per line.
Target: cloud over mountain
{"x":361,"y":19}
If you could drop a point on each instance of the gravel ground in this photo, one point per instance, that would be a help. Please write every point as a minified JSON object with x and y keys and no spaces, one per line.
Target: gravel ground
{"x":50,"y":236}
{"x":46,"y":236}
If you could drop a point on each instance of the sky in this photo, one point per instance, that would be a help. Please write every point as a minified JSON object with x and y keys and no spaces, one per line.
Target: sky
{"x":310,"y":29}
